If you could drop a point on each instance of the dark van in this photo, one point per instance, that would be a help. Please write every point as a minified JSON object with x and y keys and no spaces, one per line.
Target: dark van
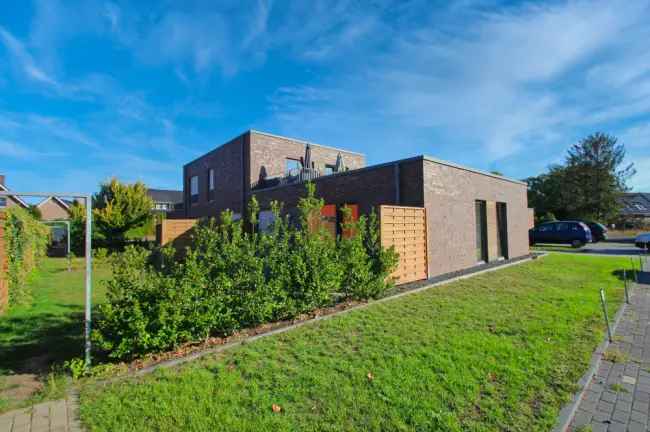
{"x":575,"y":233}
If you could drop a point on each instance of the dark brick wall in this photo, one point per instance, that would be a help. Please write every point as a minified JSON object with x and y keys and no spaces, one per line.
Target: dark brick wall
{"x":449,"y":196}
{"x":368,"y":187}
{"x":228,"y":162}
{"x":268,"y":154}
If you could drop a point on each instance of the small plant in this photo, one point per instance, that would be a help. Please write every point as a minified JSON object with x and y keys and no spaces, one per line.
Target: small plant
{"x":583,"y":428}
{"x":614,"y":355}
{"x":618,"y":388}
{"x":76,"y":367}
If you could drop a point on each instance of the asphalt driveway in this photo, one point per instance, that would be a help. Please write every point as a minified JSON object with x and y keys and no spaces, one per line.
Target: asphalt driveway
{"x":615,"y":247}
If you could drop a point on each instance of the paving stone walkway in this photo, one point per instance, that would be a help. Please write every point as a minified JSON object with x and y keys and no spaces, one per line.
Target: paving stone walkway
{"x":618,"y":396}
{"x":54,"y":416}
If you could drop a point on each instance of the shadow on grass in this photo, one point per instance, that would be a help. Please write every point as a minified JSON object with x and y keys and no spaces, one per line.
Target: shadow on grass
{"x":642,"y":277}
{"x":37,"y":342}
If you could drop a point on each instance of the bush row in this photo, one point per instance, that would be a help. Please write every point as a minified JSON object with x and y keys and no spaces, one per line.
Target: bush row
{"x":234,"y":277}
{"x":26,"y":241}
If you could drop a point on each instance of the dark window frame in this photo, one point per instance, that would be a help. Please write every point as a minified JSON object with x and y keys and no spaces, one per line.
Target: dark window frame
{"x":194,"y":197}
{"x":480,"y":217}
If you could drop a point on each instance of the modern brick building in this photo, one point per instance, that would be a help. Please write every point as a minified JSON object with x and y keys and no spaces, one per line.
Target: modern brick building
{"x":472,"y":216}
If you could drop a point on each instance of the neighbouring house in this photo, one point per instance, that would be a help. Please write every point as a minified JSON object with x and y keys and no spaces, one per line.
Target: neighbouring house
{"x":472,"y":216}
{"x":166,"y":201}
{"x":54,"y":208}
{"x":635,"y":208}
{"x":11,"y":200}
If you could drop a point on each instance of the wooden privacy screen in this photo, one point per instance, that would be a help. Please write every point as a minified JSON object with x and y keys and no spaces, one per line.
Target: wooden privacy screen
{"x":405,"y":228}
{"x":176,"y":231}
{"x":4,"y":285}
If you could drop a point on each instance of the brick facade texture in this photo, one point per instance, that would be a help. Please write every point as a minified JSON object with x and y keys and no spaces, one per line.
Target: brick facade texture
{"x":239,"y":163}
{"x":449,"y":197}
{"x":447,"y":192}
{"x":228,"y":164}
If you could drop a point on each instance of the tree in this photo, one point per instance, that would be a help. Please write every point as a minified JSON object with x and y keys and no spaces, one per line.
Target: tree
{"x":119,"y":207}
{"x":587,"y":185}
{"x":547,"y":194}
{"x":35,"y":212}
{"x":78,"y":228}
{"x":595,"y":177}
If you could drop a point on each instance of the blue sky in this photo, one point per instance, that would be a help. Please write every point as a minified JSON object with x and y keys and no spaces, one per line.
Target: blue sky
{"x":100,"y":88}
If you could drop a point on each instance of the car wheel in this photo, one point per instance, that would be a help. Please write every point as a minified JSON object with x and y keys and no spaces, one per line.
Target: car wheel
{"x":576,"y":243}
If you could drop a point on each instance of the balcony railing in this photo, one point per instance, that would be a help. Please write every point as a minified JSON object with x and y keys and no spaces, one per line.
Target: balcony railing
{"x":293,"y":176}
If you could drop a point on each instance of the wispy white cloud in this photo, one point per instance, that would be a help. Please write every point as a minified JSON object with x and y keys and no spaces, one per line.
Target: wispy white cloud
{"x":24,"y":61}
{"x":513,"y":79}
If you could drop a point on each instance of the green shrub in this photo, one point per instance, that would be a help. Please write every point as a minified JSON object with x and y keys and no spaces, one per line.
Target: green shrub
{"x":26,"y":243}
{"x":233,"y":278}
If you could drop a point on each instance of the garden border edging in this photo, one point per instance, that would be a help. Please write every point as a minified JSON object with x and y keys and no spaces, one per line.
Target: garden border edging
{"x":567,"y":413}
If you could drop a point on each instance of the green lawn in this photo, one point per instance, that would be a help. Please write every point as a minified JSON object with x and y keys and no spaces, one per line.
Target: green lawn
{"x":500,"y":351}
{"x":34,"y":339}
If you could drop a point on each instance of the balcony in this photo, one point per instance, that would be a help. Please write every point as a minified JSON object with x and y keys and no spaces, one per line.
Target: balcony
{"x":293,"y":176}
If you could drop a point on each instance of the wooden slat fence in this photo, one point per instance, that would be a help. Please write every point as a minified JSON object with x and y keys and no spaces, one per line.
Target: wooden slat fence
{"x":405,"y":228}
{"x":175,"y":231}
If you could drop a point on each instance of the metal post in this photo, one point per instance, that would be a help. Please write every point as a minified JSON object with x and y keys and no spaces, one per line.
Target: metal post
{"x":627,"y":297}
{"x":69,"y":251}
{"x":602,"y":301}
{"x":89,"y":216}
{"x":634,"y":274}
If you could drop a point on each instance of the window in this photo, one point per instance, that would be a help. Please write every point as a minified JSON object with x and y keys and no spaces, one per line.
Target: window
{"x":502,"y":230}
{"x":292,"y":166}
{"x":329,"y":169}
{"x":562,"y":226}
{"x":481,"y":231}
{"x":194,"y":189}
{"x":211,"y":184}
{"x":3,"y":202}
{"x":546,"y":228}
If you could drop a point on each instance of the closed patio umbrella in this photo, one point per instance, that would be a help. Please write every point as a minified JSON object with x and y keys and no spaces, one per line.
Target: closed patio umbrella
{"x":340,"y":165}
{"x":307,"y":164}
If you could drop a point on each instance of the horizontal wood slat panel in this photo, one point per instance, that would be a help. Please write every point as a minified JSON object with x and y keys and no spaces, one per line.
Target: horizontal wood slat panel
{"x":405,"y":229}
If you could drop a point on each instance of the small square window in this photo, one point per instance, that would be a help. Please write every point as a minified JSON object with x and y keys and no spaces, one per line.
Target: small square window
{"x":3,"y":202}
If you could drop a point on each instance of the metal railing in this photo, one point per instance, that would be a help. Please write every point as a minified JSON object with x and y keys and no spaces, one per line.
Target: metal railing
{"x":294,"y":176}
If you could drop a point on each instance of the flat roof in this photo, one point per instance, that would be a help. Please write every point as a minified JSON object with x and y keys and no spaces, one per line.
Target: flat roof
{"x":474,"y":170}
{"x":424,"y":157}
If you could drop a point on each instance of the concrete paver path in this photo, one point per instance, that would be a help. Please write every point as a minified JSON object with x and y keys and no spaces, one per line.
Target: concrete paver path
{"x":618,"y":396}
{"x":54,"y":416}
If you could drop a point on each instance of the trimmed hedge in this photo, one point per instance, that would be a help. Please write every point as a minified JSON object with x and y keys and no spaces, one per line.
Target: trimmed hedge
{"x":26,"y":240}
{"x":234,"y":278}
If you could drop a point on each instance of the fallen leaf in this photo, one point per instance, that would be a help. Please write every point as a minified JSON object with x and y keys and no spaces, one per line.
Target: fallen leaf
{"x":370,"y":377}
{"x":276,"y":408}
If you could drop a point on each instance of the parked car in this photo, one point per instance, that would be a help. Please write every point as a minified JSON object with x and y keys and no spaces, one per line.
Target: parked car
{"x":643,"y":241}
{"x":598,"y":231}
{"x":575,"y":233}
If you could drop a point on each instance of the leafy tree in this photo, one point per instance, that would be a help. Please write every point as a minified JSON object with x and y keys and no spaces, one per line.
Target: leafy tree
{"x":77,"y":228}
{"x":547,"y":192}
{"x":587,"y":186}
{"x":35,"y":212}
{"x":595,"y":176}
{"x":119,"y":207}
